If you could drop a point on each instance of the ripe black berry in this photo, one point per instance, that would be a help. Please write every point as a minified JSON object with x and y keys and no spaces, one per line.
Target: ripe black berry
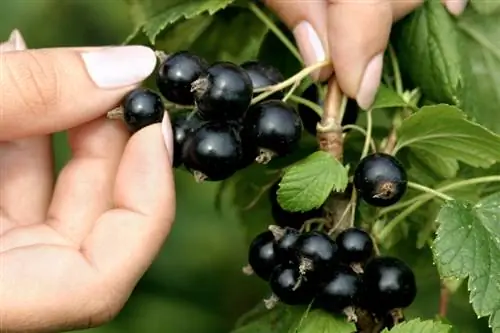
{"x":341,"y":290}
{"x":380,"y":180}
{"x":388,"y":284}
{"x":284,"y":218}
{"x":310,"y":118}
{"x":141,"y":108}
{"x":275,"y":128}
{"x":261,"y":255}
{"x":263,"y":75}
{"x":183,"y":123}
{"x":213,"y":152}
{"x":355,"y":246}
{"x":176,"y":74}
{"x":290,"y":286}
{"x":317,"y":251}
{"x":223,"y":92}
{"x":285,"y":245}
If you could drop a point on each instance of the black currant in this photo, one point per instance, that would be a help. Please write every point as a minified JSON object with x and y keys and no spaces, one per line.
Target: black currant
{"x":341,"y":290}
{"x":213,"y":152}
{"x":290,"y":286}
{"x":223,"y":92}
{"x":388,"y":284}
{"x":274,"y":127}
{"x":380,"y":180}
{"x":284,"y":218}
{"x":263,"y":75}
{"x":310,"y":118}
{"x":317,"y":252}
{"x":261,"y":255}
{"x":354,"y":246}
{"x":284,"y":247}
{"x":183,"y":123}
{"x":177,"y":73}
{"x":142,"y":107}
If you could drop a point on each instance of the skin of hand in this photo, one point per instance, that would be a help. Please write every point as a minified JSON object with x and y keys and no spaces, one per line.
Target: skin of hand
{"x":73,"y":248}
{"x":352,"y":33}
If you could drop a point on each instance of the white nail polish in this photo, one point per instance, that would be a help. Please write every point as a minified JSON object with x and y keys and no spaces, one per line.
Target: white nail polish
{"x":370,"y":82}
{"x":309,"y":43}
{"x":166,"y":131}
{"x":456,"y":7}
{"x":17,"y":40}
{"x":121,"y":66}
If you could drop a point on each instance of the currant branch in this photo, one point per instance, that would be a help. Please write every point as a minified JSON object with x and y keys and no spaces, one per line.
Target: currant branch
{"x":329,"y":130}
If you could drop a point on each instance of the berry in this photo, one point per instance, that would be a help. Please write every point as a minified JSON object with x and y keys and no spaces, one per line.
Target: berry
{"x":223,"y":92}
{"x":290,"y":286}
{"x":310,"y":118}
{"x":183,"y":123}
{"x":284,"y":246}
{"x":355,"y":246}
{"x":176,"y":74}
{"x":284,"y":218}
{"x":380,"y":180}
{"x":261,"y":255}
{"x":341,"y":290}
{"x":213,"y":152}
{"x":274,"y":127}
{"x":317,"y":251}
{"x":141,"y":108}
{"x":263,"y":75}
{"x":388,"y":284}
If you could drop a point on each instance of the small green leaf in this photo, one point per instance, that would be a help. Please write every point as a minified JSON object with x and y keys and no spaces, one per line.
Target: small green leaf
{"x":467,"y":245}
{"x":318,"y":321}
{"x":307,"y":184}
{"x":485,"y":7}
{"x":419,"y":326}
{"x":388,"y":98}
{"x":443,"y":130}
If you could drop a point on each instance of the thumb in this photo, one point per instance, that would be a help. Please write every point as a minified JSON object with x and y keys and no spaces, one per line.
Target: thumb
{"x":48,"y":90}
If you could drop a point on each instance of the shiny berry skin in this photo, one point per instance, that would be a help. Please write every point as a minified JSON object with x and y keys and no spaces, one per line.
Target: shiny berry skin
{"x":355,"y":246}
{"x":263,"y":75}
{"x":274,"y":126}
{"x":141,"y":108}
{"x":183,"y":123}
{"x":388,"y":284}
{"x":284,"y":218}
{"x":176,"y":74}
{"x":223,"y":92}
{"x":342,"y":289}
{"x":284,"y":247}
{"x":284,"y":283}
{"x":310,"y":118}
{"x":319,"y":248}
{"x":261,"y":255}
{"x":380,"y":180}
{"x":214,"y":150}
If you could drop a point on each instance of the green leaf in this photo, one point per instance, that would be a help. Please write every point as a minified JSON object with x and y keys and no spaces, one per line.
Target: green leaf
{"x":467,"y":245}
{"x":485,"y":7}
{"x":419,"y":326}
{"x":322,"y":322}
{"x":426,"y":43}
{"x":307,"y":184}
{"x":388,"y":98}
{"x":444,"y":131}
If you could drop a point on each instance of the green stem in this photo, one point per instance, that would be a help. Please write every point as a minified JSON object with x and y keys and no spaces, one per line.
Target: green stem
{"x":389,"y":227}
{"x":291,"y":91}
{"x":398,"y":81}
{"x":272,"y":26}
{"x":343,"y":106}
{"x":429,"y":190}
{"x":362,"y":131}
{"x":313,"y":106}
{"x":368,"y":137}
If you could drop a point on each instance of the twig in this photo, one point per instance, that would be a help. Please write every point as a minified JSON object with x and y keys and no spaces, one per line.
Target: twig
{"x":443,"y":300}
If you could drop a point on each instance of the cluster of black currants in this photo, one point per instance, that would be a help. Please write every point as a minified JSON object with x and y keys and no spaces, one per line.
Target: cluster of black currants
{"x":217,"y":129}
{"x":339,"y":276}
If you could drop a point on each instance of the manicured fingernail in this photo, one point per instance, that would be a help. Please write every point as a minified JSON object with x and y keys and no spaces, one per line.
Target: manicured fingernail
{"x":456,"y":7}
{"x":121,"y":66}
{"x":370,"y":82}
{"x":17,"y":40}
{"x":166,"y":130}
{"x":309,"y":43}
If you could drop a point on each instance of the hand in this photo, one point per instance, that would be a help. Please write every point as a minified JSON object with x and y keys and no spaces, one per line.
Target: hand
{"x":354,"y":34}
{"x":71,"y":255}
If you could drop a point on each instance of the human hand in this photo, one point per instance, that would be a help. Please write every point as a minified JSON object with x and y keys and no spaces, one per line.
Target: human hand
{"x":354,"y":34}
{"x":71,"y":255}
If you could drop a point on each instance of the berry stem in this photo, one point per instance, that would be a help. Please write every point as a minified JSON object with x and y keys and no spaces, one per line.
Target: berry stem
{"x":429,"y":190}
{"x":444,"y":297}
{"x":368,"y":137}
{"x":162,"y":56}
{"x":291,"y":91}
{"x":272,"y":26}
{"x":313,"y":106}
{"x":269,"y":90}
{"x":398,"y":81}
{"x":362,"y":131}
{"x":115,"y":114}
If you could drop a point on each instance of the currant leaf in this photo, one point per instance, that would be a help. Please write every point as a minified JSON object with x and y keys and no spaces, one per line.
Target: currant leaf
{"x":419,"y":326}
{"x":388,"y":98}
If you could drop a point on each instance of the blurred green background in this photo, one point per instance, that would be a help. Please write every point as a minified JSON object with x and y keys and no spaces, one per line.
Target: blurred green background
{"x":196,"y":284}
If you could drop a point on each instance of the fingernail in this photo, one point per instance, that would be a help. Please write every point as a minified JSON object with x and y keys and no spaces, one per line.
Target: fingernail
{"x":121,"y":66}
{"x":309,"y":43}
{"x":370,"y":82}
{"x":17,"y":40}
{"x":166,"y":130}
{"x":456,"y":7}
